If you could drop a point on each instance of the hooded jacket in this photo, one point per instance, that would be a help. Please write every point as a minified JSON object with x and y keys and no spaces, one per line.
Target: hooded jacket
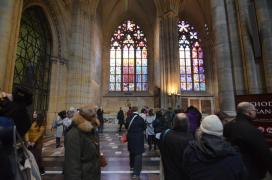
{"x":82,"y":151}
{"x":211,"y":158}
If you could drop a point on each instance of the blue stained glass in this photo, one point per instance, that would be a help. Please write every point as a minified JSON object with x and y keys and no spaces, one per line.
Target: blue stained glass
{"x":202,"y":87}
{"x":118,"y":70}
{"x":118,"y":78}
{"x":196,"y":87}
{"x":188,"y":70}
{"x":201,"y":70}
{"x":138,"y":70}
{"x":139,"y":78}
{"x":182,"y":70}
{"x":145,"y":87}
{"x":182,"y":78}
{"x":125,"y":70}
{"x":144,"y":62}
{"x":202,"y":77}
{"x":139,"y":86}
{"x":118,"y":86}
{"x":144,"y":70}
{"x":112,"y":70}
{"x":111,"y":88}
{"x":144,"y":78}
{"x":112,"y":78}
{"x":189,"y":78}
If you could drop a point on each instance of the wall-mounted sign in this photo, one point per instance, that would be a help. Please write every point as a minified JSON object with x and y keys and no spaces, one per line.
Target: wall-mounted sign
{"x":263,"y":105}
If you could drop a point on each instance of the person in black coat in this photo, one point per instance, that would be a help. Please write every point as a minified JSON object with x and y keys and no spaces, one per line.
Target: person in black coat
{"x":210,"y":157}
{"x":121,"y":118}
{"x":100,"y":117}
{"x":172,"y":144}
{"x":136,"y":126}
{"x":255,"y":151}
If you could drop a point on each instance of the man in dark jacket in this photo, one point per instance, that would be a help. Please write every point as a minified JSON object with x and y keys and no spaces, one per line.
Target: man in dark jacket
{"x":255,"y":151}
{"x":209,"y":157}
{"x":136,"y":126}
{"x":172,"y":144}
{"x":121,"y":118}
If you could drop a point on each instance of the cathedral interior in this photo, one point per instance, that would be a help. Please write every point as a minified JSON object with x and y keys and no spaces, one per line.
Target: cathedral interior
{"x":145,"y":53}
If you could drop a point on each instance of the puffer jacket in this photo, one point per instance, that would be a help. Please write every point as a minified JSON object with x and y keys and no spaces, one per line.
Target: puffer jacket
{"x":211,"y":158}
{"x":81,"y":152}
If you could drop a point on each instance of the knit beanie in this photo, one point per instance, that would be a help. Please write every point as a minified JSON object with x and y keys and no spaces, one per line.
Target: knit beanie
{"x":212,"y":125}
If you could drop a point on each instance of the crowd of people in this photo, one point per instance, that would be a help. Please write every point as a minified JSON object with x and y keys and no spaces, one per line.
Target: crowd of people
{"x":191,"y":147}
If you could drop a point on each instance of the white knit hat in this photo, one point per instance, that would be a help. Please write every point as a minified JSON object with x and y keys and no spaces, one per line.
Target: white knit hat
{"x":212,"y":125}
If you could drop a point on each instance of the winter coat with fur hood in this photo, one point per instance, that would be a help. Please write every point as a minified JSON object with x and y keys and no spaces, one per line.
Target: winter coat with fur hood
{"x":82,"y":151}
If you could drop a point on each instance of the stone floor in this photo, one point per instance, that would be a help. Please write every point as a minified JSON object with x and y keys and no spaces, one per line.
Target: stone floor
{"x":115,"y":152}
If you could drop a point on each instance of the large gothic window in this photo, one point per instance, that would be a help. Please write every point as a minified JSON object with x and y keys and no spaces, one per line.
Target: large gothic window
{"x":192,"y":75}
{"x":32,"y":67}
{"x":128,"y":59}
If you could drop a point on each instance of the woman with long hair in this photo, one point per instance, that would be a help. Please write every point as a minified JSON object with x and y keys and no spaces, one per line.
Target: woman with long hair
{"x":34,"y":138}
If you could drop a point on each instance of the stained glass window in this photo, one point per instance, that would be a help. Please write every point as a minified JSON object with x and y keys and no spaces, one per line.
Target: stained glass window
{"x":32,"y":66}
{"x":128,"y":59}
{"x":192,"y":73}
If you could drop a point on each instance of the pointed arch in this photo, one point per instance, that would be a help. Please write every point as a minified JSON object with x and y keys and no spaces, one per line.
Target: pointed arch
{"x":191,"y":59}
{"x":128,"y":59}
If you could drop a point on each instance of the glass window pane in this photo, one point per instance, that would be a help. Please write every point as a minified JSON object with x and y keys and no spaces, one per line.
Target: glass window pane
{"x":138,"y":54}
{"x":118,"y":86}
{"x":138,"y":62}
{"x":200,"y":53}
{"x":188,"y":70}
{"x":112,"y":78}
{"x":131,"y":62}
{"x":195,"y":69}
{"x":131,"y":69}
{"x":118,"y":78}
{"x":181,"y":54}
{"x":196,"y":87}
{"x":187,"y":54}
{"x":111,"y":88}
{"x":125,"y":78}
{"x":182,"y":70}
{"x":182,"y":62}
{"x":196,"y":78}
{"x":144,"y":62}
{"x":202,"y":77}
{"x":139,"y":86}
{"x":131,"y":53}
{"x":145,"y":87}
{"x":118,"y":62}
{"x":112,"y":62}
{"x":125,"y":70}
{"x":139,"y":78}
{"x":131,"y":77}
{"x":182,"y":78}
{"x":201,"y":70}
{"x":188,"y":62}
{"x":144,"y":70}
{"x":202,"y":87}
{"x":144,"y":78}
{"x":118,"y":70}
{"x":183,"y":86}
{"x":138,"y":70}
{"x":131,"y":86}
{"x":118,"y":54}
{"x":144,"y":54}
{"x":189,"y":78}
{"x":125,"y":86}
{"x":194,"y":53}
{"x":189,"y":87}
{"x":112,"y":53}
{"x":112,"y":70}
{"x":125,"y":62}
{"x":195,"y":62}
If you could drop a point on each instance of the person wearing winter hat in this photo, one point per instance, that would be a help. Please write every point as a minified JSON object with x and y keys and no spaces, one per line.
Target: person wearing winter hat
{"x":210,"y":156}
{"x":82,"y":146}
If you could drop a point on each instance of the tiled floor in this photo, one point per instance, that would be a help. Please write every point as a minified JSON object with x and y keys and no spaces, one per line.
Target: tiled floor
{"x":115,"y":152}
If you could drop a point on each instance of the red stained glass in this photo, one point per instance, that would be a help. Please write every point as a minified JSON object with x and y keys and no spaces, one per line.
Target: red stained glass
{"x":131,"y":78}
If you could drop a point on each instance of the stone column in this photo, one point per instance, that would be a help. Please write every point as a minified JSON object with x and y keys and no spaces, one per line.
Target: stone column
{"x":235,"y":48}
{"x":79,"y":65}
{"x":222,"y":54}
{"x":253,"y":85}
{"x":264,"y":15}
{"x":168,"y":45}
{"x":10,"y":16}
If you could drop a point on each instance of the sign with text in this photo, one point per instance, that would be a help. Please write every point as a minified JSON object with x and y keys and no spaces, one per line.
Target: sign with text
{"x":263,"y":105}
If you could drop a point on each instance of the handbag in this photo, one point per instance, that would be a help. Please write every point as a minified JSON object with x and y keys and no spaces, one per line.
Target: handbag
{"x":124,"y":138}
{"x":103,"y":161}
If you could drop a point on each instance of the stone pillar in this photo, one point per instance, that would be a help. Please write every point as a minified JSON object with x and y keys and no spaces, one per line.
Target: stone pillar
{"x":263,"y":8}
{"x":253,"y":85}
{"x":79,"y":65}
{"x":10,"y":16}
{"x":235,"y":47}
{"x":168,"y":46}
{"x":222,"y":55}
